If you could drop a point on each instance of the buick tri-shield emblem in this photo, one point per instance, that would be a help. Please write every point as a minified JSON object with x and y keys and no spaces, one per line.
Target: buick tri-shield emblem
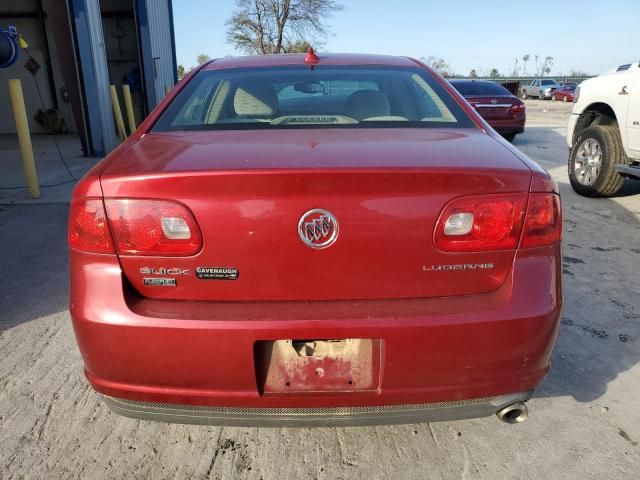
{"x":318,"y":228}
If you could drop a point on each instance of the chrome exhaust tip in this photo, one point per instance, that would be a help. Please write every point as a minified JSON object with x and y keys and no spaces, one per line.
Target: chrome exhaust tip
{"x":514,"y":413}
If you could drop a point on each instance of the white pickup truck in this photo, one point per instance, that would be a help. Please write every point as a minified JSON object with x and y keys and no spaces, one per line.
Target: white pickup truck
{"x":604,"y":132}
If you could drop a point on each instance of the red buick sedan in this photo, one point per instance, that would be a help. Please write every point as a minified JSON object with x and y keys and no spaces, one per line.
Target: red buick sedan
{"x":330,"y":240}
{"x":498,"y":106}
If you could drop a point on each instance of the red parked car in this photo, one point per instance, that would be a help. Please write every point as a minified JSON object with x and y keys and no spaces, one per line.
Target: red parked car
{"x":498,"y":106}
{"x":291,"y":240}
{"x":565,"y":93}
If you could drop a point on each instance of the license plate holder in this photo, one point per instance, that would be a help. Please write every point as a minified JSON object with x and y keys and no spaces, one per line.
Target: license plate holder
{"x":315,"y":366}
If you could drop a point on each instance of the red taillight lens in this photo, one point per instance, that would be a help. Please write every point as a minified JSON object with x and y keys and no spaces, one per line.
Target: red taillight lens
{"x":483,"y":223}
{"x":543,"y":224}
{"x":88,"y":227}
{"x":517,"y":108}
{"x":153,"y":227}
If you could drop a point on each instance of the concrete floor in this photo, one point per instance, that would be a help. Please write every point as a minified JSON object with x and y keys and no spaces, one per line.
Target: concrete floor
{"x":584,"y":420}
{"x":56,"y":180}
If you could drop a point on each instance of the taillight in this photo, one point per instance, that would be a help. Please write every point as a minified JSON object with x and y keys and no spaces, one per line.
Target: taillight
{"x":481,"y":223}
{"x":543,"y":224}
{"x":494,"y":222}
{"x":517,"y":108}
{"x":153,"y":227}
{"x":88,"y":227}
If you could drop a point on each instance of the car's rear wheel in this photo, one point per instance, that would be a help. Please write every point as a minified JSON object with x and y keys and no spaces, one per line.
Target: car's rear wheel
{"x":593,"y":157}
{"x":509,"y":136}
{"x":524,"y":95}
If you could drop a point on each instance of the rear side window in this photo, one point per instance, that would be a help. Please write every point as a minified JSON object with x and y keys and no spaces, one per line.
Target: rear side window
{"x":299,"y":97}
{"x":469,"y":89}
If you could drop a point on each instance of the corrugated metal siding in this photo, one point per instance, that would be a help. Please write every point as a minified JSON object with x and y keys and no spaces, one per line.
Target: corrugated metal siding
{"x":95,"y":75}
{"x":160,"y":28}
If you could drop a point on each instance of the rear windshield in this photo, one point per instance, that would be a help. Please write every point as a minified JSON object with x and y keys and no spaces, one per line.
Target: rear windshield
{"x":299,"y":97}
{"x":469,"y":89}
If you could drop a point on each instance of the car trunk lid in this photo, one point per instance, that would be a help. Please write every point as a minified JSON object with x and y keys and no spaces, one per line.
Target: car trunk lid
{"x":494,"y":107}
{"x":249,"y":194}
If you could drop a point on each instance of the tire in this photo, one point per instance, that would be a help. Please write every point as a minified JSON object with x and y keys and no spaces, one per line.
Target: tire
{"x":509,"y":136}
{"x":585,"y":178}
{"x":524,"y":95}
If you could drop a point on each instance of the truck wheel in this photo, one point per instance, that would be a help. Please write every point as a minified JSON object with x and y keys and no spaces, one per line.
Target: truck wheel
{"x":592,"y":159}
{"x":524,"y":95}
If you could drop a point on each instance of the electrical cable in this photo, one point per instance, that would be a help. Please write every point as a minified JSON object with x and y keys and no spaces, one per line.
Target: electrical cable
{"x":55,"y":140}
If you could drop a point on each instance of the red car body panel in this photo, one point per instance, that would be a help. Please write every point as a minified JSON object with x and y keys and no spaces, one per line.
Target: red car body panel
{"x":497,"y":112}
{"x":437,"y":337}
{"x":201,"y":353}
{"x":564,"y":94}
{"x":242,"y":202}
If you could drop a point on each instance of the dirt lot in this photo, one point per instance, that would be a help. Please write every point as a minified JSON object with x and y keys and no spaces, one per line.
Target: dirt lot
{"x":584,"y":420}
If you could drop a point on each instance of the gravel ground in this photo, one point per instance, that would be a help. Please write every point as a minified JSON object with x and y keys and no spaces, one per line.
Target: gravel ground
{"x":584,"y":421}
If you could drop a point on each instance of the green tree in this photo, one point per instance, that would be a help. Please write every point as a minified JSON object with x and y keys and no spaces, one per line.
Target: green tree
{"x":525,"y":59}
{"x":473,"y":73}
{"x":299,"y":46}
{"x":181,"y":72}
{"x":202,"y":58}
{"x":269,"y":26}
{"x":494,"y":73}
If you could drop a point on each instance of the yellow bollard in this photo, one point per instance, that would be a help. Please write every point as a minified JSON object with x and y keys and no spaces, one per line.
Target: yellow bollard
{"x":128,"y":106}
{"x":117,"y":113}
{"x":24,"y":137}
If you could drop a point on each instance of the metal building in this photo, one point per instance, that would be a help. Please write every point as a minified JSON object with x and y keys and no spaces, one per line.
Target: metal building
{"x":80,"y":48}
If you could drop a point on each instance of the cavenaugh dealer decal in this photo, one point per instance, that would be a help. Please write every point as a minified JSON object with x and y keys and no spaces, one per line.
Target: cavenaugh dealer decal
{"x":217,"y":273}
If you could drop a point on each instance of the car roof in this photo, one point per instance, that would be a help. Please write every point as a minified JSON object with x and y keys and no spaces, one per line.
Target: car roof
{"x":293,"y":59}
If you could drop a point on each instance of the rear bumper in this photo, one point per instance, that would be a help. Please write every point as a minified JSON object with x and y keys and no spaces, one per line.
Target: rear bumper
{"x":314,"y":417}
{"x":450,"y":349}
{"x":512,"y":125}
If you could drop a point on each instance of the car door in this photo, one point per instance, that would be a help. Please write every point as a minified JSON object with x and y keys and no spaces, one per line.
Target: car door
{"x":535,"y":88}
{"x":633,"y":115}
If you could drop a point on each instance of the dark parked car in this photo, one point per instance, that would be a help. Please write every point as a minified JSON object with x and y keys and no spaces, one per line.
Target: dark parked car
{"x":502,"y":110}
{"x":565,"y":93}
{"x":291,"y":240}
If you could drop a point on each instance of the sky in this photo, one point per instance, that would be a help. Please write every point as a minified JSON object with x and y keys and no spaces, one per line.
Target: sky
{"x":586,"y":35}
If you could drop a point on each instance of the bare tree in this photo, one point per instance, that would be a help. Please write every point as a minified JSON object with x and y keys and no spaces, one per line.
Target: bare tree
{"x":473,"y":73}
{"x":573,"y":72}
{"x":543,"y":66}
{"x":515,"y":71}
{"x":525,"y":59}
{"x":439,"y":64}
{"x":269,"y":26}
